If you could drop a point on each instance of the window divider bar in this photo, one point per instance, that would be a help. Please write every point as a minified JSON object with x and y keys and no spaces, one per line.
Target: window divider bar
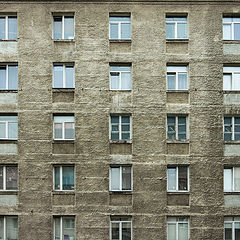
{"x":61,"y":182}
{"x":61,"y":228}
{"x":7,"y":77}
{"x":120,"y":174}
{"x":177,"y":188}
{"x":4,"y":178}
{"x":6,"y":28}
{"x":63,"y":27}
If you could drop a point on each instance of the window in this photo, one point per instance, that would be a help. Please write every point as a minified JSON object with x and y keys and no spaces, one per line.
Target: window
{"x":63,"y":76}
{"x":231,"y":128}
{"x":232,"y":179}
{"x":231,"y":228}
{"x":8,"y":77}
{"x":120,"y":27}
{"x":176,"y":27}
{"x":64,"y":228}
{"x":177,"y":127}
{"x":231,"y":28}
{"x":120,"y":128}
{"x":63,"y":27}
{"x":8,"y":27}
{"x":178,"y":179}
{"x":177,"y":78}
{"x":63,"y":127}
{"x":8,"y":178}
{"x":121,"y":228}
{"x":177,"y":228}
{"x":120,"y":78}
{"x":120,"y":178}
{"x":8,"y":228}
{"x":63,"y":178}
{"x":9,"y":127}
{"x":231,"y":78}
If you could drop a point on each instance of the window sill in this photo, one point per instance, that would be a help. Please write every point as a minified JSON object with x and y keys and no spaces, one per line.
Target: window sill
{"x":8,"y":91}
{"x":64,"y":40}
{"x":231,"y":91}
{"x":232,"y":142}
{"x":120,"y":90}
{"x":8,"y":140}
{"x":177,"y":40}
{"x":179,"y":193}
{"x":120,"y":141}
{"x":63,"y":141}
{"x":120,"y":192}
{"x":230,"y":41}
{"x":177,"y":141}
{"x":63,"y":89}
{"x":177,"y":91}
{"x":8,"y":192}
{"x":8,"y":40}
{"x":70,"y":192}
{"x":120,"y":40}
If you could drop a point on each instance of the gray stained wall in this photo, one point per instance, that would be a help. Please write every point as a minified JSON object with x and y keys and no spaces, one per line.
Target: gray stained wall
{"x":92,"y":102}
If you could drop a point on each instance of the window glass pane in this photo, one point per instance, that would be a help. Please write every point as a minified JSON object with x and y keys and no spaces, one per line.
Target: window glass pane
{"x":228,"y":231}
{"x":12,"y":27}
{"x":11,"y":178}
{"x":115,"y":128}
{"x":227,"y":81}
{"x":171,"y":120}
{"x":227,"y":33}
{"x":237,"y":230}
{"x":58,"y":130}
{"x":1,"y":228}
{"x":2,"y":130}
{"x":125,"y":31}
{"x":126,"y":231}
{"x":57,"y":178}
{"x":227,"y":180}
{"x":69,"y":130}
{"x":182,"y":178}
{"x":182,"y":30}
{"x":114,"y":119}
{"x":115,"y":231}
{"x":171,"y":81}
{"x":115,"y":80}
{"x":182,"y":136}
{"x":125,"y":119}
{"x":61,"y":119}
{"x":181,"y":120}
{"x":171,"y":234}
{"x":57,"y":228}
{"x":126,"y":178}
{"x":236,"y":31}
{"x":170,"y":30}
{"x":114,"y":136}
{"x":68,"y":27}
{"x":228,"y":120}
{"x":58,"y":77}
{"x":171,"y":179}
{"x":12,"y":77}
{"x":68,"y":178}
{"x":119,"y":19}
{"x":2,"y":28}
{"x":69,"y":76}
{"x":3,"y":85}
{"x":1,"y":178}
{"x":12,"y":228}
{"x":236,"y":81}
{"x":126,"y":81}
{"x":237,"y":178}
{"x":115,"y":178}
{"x":182,"y":81}
{"x":113,"y":31}
{"x":57,"y":25}
{"x":125,"y":127}
{"x":68,"y":228}
{"x":12,"y":130}
{"x":125,"y":136}
{"x":182,"y":231}
{"x":227,"y":136}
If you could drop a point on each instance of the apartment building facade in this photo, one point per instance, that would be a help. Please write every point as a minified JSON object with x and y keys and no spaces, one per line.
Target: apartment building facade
{"x":120,"y":120}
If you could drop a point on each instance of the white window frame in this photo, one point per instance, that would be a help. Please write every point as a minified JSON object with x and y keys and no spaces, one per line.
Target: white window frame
{"x":5,"y":225}
{"x":120,"y":222}
{"x":120,"y":182}
{"x":176,"y":127}
{"x":176,"y":180}
{"x":61,"y":178}
{"x":63,"y":27}
{"x":6,"y":131}
{"x":177,"y":223}
{"x":233,"y":227}
{"x":120,"y":77}
{"x":120,"y":127}
{"x":6,"y":26}
{"x":119,"y":23}
{"x":176,"y":70}
{"x":232,"y":127}
{"x":64,"y":65}
{"x":63,"y":128}
{"x":5,"y":178}
{"x":232,"y":26}
{"x":227,"y":71}
{"x":175,"y":26}
{"x":61,"y":225}
{"x":232,"y":179}
{"x":7,"y":73}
